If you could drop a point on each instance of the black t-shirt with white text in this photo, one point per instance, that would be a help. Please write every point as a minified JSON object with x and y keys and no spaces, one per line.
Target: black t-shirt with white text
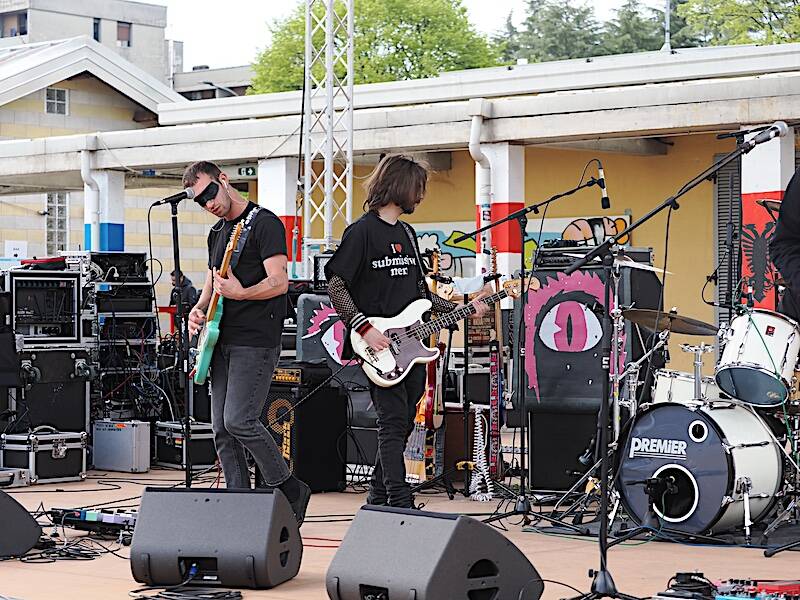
{"x":378,"y":264}
{"x":251,"y":322}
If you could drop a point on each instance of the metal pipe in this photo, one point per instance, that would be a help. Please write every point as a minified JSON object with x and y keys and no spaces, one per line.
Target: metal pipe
{"x":480,"y":108}
{"x":91,"y":194}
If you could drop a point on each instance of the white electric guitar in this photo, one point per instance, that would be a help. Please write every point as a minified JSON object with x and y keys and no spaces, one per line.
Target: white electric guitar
{"x":406,"y":332}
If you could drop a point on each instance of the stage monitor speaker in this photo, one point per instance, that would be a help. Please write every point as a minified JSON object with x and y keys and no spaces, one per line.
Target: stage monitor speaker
{"x":312,"y":435}
{"x":20,"y":531}
{"x":236,"y":538}
{"x":430,"y":557}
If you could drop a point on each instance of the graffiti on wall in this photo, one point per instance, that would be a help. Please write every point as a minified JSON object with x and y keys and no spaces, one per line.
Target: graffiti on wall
{"x":458,"y":259}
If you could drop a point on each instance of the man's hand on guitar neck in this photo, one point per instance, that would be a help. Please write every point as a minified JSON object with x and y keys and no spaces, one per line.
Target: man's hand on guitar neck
{"x":196,"y":319}
{"x":228,"y":287}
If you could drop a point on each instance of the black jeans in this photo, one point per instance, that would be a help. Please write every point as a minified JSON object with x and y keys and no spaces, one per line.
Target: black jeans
{"x":396,"y":407}
{"x":240,"y":380}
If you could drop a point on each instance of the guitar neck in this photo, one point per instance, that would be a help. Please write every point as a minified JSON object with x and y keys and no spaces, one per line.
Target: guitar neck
{"x":223,"y":272}
{"x":435,"y":325}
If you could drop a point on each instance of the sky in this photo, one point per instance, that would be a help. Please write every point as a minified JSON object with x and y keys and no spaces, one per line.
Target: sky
{"x":231,"y":34}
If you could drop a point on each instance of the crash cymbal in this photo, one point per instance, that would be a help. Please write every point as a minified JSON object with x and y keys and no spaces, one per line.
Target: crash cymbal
{"x":659,"y":321}
{"x":625,"y":261}
{"x":770,"y":205}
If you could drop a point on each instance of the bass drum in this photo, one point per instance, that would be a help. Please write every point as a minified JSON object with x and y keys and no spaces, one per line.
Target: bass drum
{"x":709,"y":453}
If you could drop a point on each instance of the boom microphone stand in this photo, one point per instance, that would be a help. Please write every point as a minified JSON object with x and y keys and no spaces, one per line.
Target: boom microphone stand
{"x":181,"y":323}
{"x":603,"y":584}
{"x":522,"y":506}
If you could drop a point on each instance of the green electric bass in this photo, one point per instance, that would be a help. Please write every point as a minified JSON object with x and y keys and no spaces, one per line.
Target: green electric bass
{"x":210,"y":333}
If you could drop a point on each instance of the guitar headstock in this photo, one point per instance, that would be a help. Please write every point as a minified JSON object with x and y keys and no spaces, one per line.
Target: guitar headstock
{"x":513,"y":288}
{"x":234,"y":239}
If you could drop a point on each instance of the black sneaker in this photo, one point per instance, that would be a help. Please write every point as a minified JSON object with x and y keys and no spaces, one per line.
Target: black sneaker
{"x":300,"y":505}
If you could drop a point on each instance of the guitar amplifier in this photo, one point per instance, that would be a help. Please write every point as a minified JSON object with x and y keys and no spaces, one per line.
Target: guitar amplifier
{"x":309,"y":430}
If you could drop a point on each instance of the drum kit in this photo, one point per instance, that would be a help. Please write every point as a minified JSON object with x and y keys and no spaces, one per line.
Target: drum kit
{"x":710,"y":455}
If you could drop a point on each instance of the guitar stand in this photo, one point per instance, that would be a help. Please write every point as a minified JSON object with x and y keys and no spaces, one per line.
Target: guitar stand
{"x":444,"y":479}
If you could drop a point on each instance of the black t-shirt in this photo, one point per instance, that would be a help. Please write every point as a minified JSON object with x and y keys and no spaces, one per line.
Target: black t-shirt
{"x":378,"y":264}
{"x":251,"y":322}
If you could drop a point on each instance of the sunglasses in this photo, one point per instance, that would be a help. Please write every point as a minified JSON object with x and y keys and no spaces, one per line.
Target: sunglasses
{"x":208,"y":194}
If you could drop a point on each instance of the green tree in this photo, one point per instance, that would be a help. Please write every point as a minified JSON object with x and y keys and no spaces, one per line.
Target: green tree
{"x":559,"y":30}
{"x":635,"y":28}
{"x":722,"y":22}
{"x":681,"y":35}
{"x":393,"y":40}
{"x":507,"y":41}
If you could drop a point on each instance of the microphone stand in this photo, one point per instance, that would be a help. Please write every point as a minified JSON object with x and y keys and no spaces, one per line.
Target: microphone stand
{"x":603,"y":584}
{"x":183,"y":343}
{"x":522,"y":507}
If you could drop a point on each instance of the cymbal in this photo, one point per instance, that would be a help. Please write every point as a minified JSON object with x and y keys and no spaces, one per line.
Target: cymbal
{"x":625,"y":262}
{"x":668,"y":320}
{"x":770,"y":205}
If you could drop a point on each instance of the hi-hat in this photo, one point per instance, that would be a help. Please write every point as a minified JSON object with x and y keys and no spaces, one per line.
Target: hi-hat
{"x":660,"y":320}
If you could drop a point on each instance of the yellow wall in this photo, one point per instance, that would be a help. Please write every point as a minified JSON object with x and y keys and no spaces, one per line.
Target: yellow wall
{"x":635,"y":184}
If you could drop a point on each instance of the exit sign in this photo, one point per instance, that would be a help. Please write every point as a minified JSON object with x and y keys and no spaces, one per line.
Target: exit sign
{"x":247,"y":171}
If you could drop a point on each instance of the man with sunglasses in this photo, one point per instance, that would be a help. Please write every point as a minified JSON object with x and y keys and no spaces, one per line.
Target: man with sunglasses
{"x":250,"y":331}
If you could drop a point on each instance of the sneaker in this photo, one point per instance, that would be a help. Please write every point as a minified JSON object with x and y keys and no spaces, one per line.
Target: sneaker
{"x":300,"y":505}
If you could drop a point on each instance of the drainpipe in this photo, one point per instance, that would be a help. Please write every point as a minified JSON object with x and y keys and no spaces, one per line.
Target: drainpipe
{"x":91,"y":195}
{"x":480,"y":109}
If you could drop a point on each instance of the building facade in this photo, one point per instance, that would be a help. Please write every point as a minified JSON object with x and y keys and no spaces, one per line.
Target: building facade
{"x":134,"y":30}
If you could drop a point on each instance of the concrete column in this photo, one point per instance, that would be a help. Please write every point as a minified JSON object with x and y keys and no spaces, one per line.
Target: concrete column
{"x":277,"y":191}
{"x":105,"y":211}
{"x":508,"y":195}
{"x":766,"y":171}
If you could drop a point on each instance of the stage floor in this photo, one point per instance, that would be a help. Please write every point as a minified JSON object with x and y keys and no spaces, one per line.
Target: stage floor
{"x":641,"y":570}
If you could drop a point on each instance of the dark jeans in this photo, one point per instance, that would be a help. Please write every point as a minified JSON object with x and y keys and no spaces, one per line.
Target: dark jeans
{"x":396,"y":407}
{"x":240,"y":380}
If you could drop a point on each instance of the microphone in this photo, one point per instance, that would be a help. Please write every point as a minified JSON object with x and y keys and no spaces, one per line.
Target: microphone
{"x":605,"y":203}
{"x":777,"y":129}
{"x":188,"y":193}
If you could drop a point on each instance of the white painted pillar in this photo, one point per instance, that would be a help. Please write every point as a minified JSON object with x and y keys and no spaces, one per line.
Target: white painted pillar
{"x":111,"y":203}
{"x":277,"y":191}
{"x":508,"y":195}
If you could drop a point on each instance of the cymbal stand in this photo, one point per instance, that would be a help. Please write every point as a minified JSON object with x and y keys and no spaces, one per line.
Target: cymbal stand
{"x":698,"y":352}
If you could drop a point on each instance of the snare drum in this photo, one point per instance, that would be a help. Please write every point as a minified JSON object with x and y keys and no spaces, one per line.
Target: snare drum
{"x":676,"y":386}
{"x":759,"y":358}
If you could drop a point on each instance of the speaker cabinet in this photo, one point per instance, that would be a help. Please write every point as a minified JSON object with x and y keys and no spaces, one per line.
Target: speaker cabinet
{"x":312,"y":436}
{"x":555,"y":443}
{"x":20,"y":529}
{"x":399,"y":553}
{"x":237,"y":538}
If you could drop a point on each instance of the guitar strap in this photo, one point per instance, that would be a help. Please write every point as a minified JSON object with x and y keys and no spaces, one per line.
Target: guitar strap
{"x":248,"y":225}
{"x":420,"y":272}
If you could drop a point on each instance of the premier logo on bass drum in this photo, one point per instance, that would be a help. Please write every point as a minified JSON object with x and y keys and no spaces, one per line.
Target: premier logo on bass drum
{"x":658,"y":448}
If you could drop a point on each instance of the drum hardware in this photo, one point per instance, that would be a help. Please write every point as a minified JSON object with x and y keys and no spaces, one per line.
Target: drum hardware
{"x":743,"y":487}
{"x":698,"y":352}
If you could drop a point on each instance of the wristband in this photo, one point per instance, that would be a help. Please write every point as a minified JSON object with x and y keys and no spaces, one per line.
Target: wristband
{"x":363,"y":328}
